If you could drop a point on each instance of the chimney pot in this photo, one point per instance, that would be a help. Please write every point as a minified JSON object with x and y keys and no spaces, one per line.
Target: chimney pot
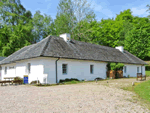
{"x":65,"y":36}
{"x":120,"y":48}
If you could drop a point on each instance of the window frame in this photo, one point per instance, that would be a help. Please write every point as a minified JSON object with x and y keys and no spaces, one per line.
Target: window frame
{"x":138,"y":70}
{"x":125,"y":69}
{"x":5,"y":69}
{"x":91,"y":69}
{"x":66,"y":69}
{"x":28,"y":68}
{"x":11,"y":67}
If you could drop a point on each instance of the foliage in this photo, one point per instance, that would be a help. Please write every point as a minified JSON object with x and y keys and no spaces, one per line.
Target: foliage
{"x":43,"y":26}
{"x":71,"y":17}
{"x":128,"y":76}
{"x":18,"y":80}
{"x":68,"y":80}
{"x":147,"y":68}
{"x":116,"y":66}
{"x":18,"y":28}
{"x":35,"y":82}
{"x":137,"y":40}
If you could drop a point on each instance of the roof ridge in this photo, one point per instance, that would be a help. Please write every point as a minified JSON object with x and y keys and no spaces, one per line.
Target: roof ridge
{"x":94,"y":44}
{"x":48,"y":40}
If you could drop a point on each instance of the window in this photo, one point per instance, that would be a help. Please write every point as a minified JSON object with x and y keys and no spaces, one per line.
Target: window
{"x":29,"y":66}
{"x":125,"y":69}
{"x":91,"y":69}
{"x":12,"y":67}
{"x":137,"y":69}
{"x":64,"y":68}
{"x":5,"y":70}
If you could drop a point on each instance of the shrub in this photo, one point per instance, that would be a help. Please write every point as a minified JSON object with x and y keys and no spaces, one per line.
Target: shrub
{"x":67,"y":80}
{"x":120,"y":66}
{"x":112,"y":66}
{"x":147,"y":68}
{"x":18,"y":80}
{"x":98,"y":78}
{"x":128,"y":76}
{"x":35,"y":82}
{"x":116,"y":66}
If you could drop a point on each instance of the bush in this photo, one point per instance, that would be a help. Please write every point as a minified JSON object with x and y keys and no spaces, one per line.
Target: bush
{"x":128,"y":76}
{"x":116,"y":66}
{"x":67,"y":80}
{"x":18,"y":80}
{"x":112,"y":66}
{"x":35,"y":82}
{"x":98,"y":78}
{"x":147,"y":68}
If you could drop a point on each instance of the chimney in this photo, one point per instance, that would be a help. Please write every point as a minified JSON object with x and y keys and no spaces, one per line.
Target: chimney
{"x":120,"y":48}
{"x":66,"y":36}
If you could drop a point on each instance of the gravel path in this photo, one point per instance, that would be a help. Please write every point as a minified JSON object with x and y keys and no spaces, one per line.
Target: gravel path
{"x":85,"y":98}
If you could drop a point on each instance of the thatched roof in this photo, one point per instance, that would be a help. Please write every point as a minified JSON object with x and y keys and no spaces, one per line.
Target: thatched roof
{"x":53,"y":46}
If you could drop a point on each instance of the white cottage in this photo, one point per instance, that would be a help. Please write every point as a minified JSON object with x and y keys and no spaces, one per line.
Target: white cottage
{"x":56,"y":58}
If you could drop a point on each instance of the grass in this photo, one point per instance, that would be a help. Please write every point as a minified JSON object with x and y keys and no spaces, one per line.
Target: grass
{"x":148,"y":73}
{"x":143,"y":92}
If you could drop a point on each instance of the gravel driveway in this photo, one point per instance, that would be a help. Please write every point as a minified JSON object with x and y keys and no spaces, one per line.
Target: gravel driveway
{"x":85,"y":98}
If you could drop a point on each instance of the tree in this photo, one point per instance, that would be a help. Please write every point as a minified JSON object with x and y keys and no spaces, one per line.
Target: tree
{"x":127,"y":26}
{"x":70,"y":16}
{"x":148,"y":10}
{"x":11,"y":11}
{"x":137,"y":41}
{"x":43,"y":26}
{"x":16,"y":27}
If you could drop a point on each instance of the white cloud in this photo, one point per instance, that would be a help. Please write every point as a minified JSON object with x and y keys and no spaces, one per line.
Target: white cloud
{"x":101,"y":7}
{"x":139,"y":11}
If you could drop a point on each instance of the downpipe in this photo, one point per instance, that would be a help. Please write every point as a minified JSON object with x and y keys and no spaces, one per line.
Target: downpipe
{"x":56,"y":70}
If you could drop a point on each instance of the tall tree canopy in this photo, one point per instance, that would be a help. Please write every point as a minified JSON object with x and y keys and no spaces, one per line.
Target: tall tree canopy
{"x":71,"y":16}
{"x":19,"y":27}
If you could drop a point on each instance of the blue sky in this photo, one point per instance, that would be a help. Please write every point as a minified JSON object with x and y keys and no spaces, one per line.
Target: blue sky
{"x":102,"y":8}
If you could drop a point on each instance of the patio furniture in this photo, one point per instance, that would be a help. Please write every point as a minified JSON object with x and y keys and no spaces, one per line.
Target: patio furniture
{"x":139,"y":75}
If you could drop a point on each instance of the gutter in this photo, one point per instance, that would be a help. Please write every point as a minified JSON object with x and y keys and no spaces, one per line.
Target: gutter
{"x":56,"y":69}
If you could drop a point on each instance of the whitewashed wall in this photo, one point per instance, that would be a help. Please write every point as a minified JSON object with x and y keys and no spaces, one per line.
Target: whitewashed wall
{"x":44,"y":69}
{"x":49,"y":69}
{"x":10,"y":72}
{"x":76,"y":69}
{"x":131,"y":70}
{"x":80,"y":69}
{"x":36,"y":71}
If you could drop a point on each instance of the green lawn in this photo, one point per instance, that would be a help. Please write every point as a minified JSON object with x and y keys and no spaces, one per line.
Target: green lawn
{"x":143,"y":90}
{"x":148,"y":73}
